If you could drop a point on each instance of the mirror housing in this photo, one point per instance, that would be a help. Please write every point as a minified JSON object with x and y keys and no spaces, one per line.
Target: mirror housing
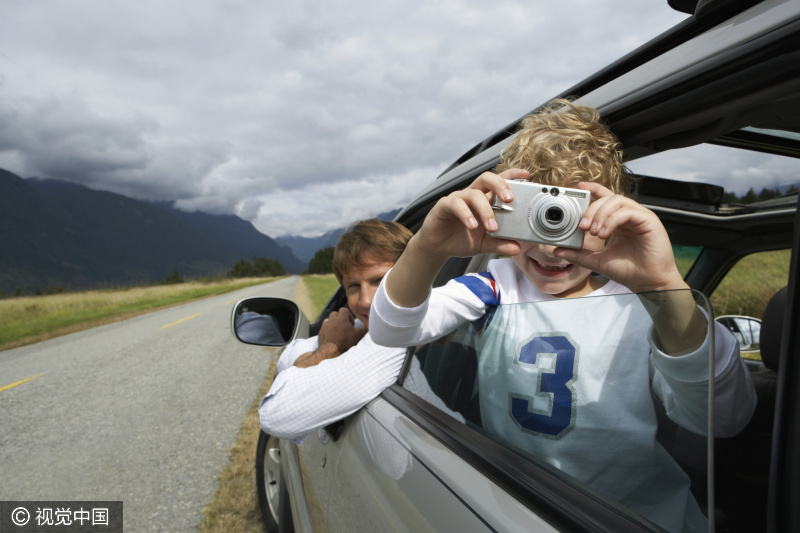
{"x":746,"y":330}
{"x":268,"y":321}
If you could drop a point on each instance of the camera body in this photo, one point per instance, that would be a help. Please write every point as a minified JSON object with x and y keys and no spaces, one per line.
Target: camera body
{"x":542,"y":214}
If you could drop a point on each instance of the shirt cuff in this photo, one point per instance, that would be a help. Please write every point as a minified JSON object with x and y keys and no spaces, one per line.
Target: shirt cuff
{"x":396,"y":316}
{"x":688,"y":368}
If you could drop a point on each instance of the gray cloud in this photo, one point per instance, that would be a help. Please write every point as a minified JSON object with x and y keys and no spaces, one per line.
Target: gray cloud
{"x":299,"y":116}
{"x":739,"y":170}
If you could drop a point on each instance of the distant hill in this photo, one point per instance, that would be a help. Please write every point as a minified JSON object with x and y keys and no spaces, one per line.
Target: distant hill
{"x":306,"y":247}
{"x":59,"y":234}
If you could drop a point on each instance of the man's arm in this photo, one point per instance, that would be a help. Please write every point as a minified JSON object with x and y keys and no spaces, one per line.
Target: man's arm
{"x":302,"y":400}
{"x":339,"y":333}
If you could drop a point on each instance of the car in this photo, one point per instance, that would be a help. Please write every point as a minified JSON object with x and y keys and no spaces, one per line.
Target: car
{"x":725,"y":81}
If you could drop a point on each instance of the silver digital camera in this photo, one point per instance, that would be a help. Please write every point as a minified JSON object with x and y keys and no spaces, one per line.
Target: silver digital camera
{"x":542,"y":214}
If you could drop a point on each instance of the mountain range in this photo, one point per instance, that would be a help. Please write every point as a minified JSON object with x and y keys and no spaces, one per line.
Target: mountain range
{"x":60,"y":234}
{"x":306,"y":247}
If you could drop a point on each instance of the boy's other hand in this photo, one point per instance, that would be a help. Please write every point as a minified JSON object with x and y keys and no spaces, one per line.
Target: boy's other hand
{"x":638,"y":253}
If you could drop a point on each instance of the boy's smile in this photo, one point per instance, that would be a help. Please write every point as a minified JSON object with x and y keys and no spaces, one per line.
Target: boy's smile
{"x":555,"y":276}
{"x":551,"y":270}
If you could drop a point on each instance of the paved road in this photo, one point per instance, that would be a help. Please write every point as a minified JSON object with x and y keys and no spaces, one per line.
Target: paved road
{"x":142,"y":411}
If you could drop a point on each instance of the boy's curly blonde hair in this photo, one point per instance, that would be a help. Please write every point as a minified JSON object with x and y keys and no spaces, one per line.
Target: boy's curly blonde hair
{"x":563,"y":147}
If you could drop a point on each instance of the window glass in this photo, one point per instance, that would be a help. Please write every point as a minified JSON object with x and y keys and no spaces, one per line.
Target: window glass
{"x":685,"y":257}
{"x":747,"y":289}
{"x":738,"y":170}
{"x":749,"y":285}
{"x":573,"y":386}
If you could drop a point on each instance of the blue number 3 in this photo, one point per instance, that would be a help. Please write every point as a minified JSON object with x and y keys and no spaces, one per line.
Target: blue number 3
{"x":550,"y":411}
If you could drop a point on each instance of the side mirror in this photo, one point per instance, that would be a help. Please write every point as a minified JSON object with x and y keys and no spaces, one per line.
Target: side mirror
{"x":268,"y":321}
{"x":746,"y":329}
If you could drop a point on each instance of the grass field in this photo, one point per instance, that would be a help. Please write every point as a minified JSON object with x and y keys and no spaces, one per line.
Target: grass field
{"x":749,"y":285}
{"x":747,"y":288}
{"x":31,"y":319}
{"x":320,"y":289}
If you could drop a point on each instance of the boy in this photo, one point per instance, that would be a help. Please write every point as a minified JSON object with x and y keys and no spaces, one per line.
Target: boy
{"x":601,"y":430}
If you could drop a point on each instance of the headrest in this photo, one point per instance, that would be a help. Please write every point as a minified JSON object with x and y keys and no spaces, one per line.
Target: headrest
{"x":772,"y":329}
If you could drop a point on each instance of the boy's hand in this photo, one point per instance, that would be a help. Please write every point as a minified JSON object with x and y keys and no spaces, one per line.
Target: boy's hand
{"x":638,"y":255}
{"x":638,"y":252}
{"x":455,"y":227}
{"x":457,"y":224}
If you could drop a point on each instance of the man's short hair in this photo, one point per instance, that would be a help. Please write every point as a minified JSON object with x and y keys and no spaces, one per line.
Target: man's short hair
{"x":563,"y":144}
{"x":369,"y":241}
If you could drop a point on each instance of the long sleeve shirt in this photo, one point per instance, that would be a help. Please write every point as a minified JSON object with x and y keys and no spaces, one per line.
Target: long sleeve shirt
{"x":302,"y":400}
{"x":570,"y":382}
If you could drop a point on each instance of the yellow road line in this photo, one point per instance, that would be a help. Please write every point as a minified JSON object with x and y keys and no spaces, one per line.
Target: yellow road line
{"x":179,"y":321}
{"x":20,"y":382}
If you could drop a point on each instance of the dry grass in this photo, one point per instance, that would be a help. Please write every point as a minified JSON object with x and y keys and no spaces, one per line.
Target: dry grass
{"x":31,"y":319}
{"x":319,"y":289}
{"x":234,"y":506}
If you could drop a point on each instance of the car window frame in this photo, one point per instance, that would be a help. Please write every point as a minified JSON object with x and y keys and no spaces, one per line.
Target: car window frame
{"x":555,"y":500}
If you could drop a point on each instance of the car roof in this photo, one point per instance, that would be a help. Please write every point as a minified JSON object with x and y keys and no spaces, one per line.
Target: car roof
{"x":729,"y":75}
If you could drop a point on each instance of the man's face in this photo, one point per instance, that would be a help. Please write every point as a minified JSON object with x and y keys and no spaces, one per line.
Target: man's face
{"x":360,"y":285}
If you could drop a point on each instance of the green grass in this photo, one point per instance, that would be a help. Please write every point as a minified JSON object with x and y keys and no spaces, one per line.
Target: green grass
{"x":750,"y":284}
{"x":32,"y":319}
{"x":320,"y":287}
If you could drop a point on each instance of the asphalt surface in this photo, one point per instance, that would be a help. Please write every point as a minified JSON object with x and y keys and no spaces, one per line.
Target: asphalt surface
{"x":143,"y":411}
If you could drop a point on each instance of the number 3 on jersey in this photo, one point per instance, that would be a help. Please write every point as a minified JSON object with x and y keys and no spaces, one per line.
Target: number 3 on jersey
{"x":548,"y":409}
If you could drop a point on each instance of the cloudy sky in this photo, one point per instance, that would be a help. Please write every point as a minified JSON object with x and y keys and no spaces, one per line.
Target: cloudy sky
{"x":300,"y":116}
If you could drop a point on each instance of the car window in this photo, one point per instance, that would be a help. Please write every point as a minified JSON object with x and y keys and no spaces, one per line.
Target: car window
{"x":738,"y":170}
{"x":685,"y":257}
{"x":570,"y":386}
{"x":749,"y":285}
{"x":745,"y":292}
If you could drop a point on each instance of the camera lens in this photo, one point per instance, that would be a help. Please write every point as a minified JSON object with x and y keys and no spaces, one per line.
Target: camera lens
{"x":554,"y":215}
{"x":554,"y":191}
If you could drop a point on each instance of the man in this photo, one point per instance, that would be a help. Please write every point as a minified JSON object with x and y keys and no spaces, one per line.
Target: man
{"x":325,"y":378}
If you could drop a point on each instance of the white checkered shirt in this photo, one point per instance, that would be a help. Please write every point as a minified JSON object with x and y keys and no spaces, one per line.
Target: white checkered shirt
{"x":302,"y":400}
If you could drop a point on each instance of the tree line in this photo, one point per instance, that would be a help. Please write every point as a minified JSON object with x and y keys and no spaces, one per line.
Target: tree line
{"x":321,"y":263}
{"x":751,"y":196}
{"x":260,"y":267}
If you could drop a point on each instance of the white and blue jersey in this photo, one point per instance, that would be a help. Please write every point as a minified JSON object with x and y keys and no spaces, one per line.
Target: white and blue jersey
{"x":570,"y":382}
